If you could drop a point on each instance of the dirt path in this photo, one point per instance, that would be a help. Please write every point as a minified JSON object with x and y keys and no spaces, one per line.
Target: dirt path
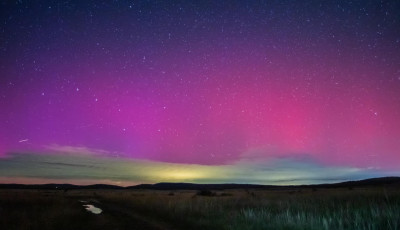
{"x":129,"y":218}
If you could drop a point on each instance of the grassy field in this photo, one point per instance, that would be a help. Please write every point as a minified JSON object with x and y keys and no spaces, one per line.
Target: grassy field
{"x":358,"y":208}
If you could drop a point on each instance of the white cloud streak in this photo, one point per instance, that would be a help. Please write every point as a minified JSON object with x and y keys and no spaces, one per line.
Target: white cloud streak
{"x":67,"y":163}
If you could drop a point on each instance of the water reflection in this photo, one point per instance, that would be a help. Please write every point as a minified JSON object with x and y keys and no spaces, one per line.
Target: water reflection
{"x":92,"y":209}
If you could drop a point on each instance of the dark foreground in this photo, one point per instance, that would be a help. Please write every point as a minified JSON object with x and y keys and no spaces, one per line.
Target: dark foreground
{"x":376,"y":207}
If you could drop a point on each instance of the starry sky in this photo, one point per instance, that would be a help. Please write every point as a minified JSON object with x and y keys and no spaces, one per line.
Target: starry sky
{"x":271,"y":92}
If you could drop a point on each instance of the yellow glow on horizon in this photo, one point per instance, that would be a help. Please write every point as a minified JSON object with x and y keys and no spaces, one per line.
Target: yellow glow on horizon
{"x":182,"y":174}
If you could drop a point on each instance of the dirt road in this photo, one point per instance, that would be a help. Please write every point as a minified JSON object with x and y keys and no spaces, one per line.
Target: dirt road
{"x":120,"y":216}
{"x":132,"y":219}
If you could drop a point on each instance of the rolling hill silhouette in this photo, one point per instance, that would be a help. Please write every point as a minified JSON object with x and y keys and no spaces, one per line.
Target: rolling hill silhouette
{"x":373,"y":182}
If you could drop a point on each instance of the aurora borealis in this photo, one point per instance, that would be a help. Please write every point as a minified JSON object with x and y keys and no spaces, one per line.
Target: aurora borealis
{"x":230,"y":91}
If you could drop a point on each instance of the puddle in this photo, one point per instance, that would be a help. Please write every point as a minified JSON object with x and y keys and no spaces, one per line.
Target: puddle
{"x":92,"y":209}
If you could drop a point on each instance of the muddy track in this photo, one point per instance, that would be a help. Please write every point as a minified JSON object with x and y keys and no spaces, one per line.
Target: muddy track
{"x":133,"y":218}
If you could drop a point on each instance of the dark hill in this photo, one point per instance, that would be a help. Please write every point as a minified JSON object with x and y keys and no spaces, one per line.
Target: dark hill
{"x":58,"y":186}
{"x":190,"y":186}
{"x":382,"y":181}
{"x":373,"y":182}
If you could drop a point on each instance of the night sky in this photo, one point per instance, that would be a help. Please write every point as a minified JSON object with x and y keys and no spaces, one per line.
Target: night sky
{"x":271,"y":92}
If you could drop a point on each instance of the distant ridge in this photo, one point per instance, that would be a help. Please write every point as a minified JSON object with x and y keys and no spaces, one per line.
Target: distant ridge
{"x":191,"y":186}
{"x":382,"y":181}
{"x":58,"y":186}
{"x":367,"y":182}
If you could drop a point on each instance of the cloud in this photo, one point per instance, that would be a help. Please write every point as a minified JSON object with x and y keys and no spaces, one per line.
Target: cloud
{"x":81,"y":150}
{"x":66,"y":163}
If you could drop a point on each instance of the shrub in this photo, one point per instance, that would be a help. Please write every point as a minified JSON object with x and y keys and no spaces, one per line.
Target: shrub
{"x":205,"y":193}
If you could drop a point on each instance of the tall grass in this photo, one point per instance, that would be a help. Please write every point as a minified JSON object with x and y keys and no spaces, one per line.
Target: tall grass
{"x":329,"y":209}
{"x":320,"y":210}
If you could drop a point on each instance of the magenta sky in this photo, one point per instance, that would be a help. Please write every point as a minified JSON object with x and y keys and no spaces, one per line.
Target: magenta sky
{"x":204,"y":83}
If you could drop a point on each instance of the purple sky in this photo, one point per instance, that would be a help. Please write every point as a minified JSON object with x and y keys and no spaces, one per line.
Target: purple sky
{"x":208,"y":83}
